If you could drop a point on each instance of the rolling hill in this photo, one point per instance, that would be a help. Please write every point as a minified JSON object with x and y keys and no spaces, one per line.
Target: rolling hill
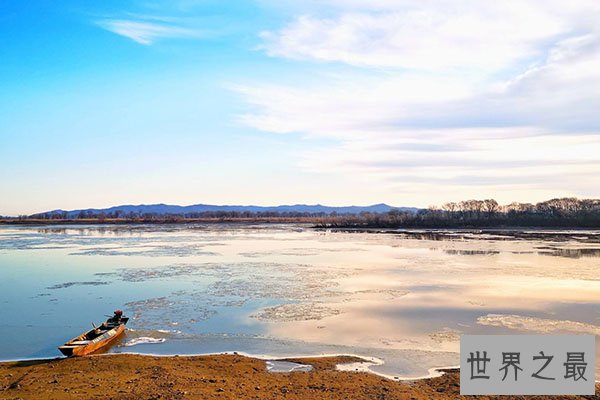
{"x":167,"y":209}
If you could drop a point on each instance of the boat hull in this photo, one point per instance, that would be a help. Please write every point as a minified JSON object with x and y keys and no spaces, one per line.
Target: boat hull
{"x":70,"y":349}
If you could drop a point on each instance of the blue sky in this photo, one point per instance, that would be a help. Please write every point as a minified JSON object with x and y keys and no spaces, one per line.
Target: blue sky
{"x":270,"y":102}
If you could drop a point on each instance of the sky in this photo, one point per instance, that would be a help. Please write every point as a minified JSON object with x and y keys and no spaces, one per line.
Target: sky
{"x":266,"y":102}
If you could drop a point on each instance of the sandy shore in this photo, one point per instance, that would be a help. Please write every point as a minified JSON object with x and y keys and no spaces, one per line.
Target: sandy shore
{"x":126,"y":376}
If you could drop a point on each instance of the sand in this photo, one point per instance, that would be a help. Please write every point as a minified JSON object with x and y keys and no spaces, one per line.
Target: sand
{"x":127,"y":376}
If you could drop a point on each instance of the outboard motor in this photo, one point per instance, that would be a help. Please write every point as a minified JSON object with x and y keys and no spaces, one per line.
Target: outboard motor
{"x":116,"y":319}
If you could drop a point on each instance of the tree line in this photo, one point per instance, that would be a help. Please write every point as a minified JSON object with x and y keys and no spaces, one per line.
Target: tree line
{"x":566,"y":212}
{"x":559,"y":213}
{"x":150,"y":217}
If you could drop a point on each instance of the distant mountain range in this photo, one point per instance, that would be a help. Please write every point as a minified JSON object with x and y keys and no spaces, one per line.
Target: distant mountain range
{"x":163,"y":209}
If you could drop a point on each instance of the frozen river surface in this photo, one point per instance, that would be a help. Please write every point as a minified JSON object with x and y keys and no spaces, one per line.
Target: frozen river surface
{"x":281,"y":290}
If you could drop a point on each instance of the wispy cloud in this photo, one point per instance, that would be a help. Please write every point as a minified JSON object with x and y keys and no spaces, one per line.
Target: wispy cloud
{"x":429,"y":36}
{"x":147,"y":31}
{"x":474,"y":99}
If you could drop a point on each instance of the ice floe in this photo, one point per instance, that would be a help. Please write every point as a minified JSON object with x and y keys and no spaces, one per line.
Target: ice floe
{"x":144,"y":340}
{"x":287,"y":366}
{"x":534,"y":324}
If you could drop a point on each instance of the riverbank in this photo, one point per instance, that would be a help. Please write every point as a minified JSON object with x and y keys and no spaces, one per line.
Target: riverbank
{"x":159,"y":221}
{"x":225,"y":376}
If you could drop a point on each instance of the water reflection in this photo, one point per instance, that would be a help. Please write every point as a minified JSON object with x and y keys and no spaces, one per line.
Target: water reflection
{"x":586,"y":236}
{"x":571,"y":253}
{"x":404,"y":297}
{"x":545,"y":251}
{"x":472,"y":252}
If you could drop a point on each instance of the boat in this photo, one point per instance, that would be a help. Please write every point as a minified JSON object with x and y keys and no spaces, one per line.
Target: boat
{"x":97,"y":338}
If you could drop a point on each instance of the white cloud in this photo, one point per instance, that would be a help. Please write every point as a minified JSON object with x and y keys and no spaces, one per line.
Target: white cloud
{"x":563,"y":88}
{"x":476,"y":98}
{"x":347,"y":106}
{"x":559,"y":93}
{"x":144,"y":31}
{"x":424,"y":35}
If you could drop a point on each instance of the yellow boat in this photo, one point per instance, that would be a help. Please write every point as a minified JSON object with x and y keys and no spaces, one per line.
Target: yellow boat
{"x":97,"y":338}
